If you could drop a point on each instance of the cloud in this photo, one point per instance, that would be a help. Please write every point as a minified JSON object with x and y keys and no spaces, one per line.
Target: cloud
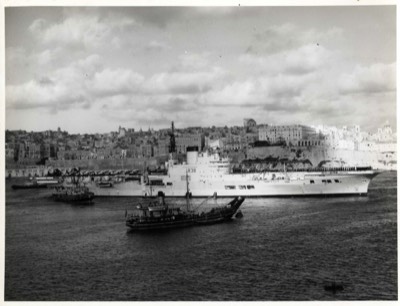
{"x":86,"y":81}
{"x":236,"y":93}
{"x":260,"y":91}
{"x":57,"y":91}
{"x":37,"y":26}
{"x":157,"y":46}
{"x":164,"y":17}
{"x":143,"y":117}
{"x":191,"y":65}
{"x":175,"y":104}
{"x":158,"y":16}
{"x":183,"y":82}
{"x":288,"y":36}
{"x":81,"y":30}
{"x":36,"y":94}
{"x":115,"y":81}
{"x":195,"y":60}
{"x":45,"y":81}
{"x":375,"y":78}
{"x":303,"y":60}
{"x":283,"y":87}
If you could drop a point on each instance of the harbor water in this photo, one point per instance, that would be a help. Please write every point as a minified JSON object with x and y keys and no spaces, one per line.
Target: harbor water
{"x":286,"y":249}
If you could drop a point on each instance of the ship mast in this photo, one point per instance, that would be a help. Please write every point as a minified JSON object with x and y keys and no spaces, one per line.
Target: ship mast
{"x":187,"y":192}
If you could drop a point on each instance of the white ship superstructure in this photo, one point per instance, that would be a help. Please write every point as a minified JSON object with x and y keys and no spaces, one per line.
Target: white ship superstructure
{"x":205,"y":174}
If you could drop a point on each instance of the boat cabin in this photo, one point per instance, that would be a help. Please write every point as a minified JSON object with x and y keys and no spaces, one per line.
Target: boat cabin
{"x":158,"y":211}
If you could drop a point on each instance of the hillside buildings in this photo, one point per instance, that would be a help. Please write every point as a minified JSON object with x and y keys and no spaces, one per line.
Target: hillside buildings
{"x":30,"y":148}
{"x":287,"y":134}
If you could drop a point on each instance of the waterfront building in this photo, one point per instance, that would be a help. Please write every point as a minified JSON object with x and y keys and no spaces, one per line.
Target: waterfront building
{"x":311,"y":142}
{"x":118,"y":152}
{"x":121,"y":132}
{"x":232,"y":142}
{"x":147,"y":150}
{"x":368,"y":146}
{"x":75,"y":154}
{"x":28,"y":151}
{"x":9,"y":151}
{"x":249,"y":138}
{"x":385,"y":134}
{"x":290,"y":134}
{"x":183,"y":141}
{"x":102,"y":153}
{"x":346,"y":144}
{"x":162,"y":147}
{"x":48,"y":150}
{"x":133,"y":151}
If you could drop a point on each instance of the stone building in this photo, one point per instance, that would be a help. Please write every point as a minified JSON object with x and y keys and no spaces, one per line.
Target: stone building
{"x":162,"y":147}
{"x":182,"y":142}
{"x":249,"y":123}
{"x":290,"y":134}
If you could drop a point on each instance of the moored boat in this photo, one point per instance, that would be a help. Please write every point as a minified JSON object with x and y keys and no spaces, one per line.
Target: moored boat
{"x":72,"y":194}
{"x":37,"y":182}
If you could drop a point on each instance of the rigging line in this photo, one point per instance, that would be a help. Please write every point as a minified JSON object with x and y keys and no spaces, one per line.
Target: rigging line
{"x":203,"y":202}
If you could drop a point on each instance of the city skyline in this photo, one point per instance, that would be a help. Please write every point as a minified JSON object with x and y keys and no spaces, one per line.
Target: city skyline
{"x":177,"y":128}
{"x":199,"y":66}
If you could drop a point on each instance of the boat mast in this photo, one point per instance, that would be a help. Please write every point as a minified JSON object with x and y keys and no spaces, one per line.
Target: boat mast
{"x":187,"y":191}
{"x":285,"y":172}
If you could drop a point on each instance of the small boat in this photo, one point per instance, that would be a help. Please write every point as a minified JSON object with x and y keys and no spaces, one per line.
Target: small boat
{"x":334,"y":287}
{"x":37,"y":182}
{"x":162,"y":216}
{"x":72,"y":194}
{"x":28,"y":185}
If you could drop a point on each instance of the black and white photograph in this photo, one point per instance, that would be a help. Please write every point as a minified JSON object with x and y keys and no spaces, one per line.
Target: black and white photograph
{"x":235,"y":152}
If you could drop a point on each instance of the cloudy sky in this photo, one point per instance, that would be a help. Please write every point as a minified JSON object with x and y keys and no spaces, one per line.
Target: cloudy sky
{"x":92,"y":69}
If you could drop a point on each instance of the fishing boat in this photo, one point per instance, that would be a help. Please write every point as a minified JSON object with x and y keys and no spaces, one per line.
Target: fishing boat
{"x":72,"y":194}
{"x":159,"y":215}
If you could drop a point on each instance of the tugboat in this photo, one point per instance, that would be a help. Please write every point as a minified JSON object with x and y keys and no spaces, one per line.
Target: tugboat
{"x":72,"y":194}
{"x":162,"y":216}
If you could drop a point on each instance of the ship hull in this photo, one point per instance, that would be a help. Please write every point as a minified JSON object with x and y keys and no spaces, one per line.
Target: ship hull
{"x":161,"y":225}
{"x":236,"y":185}
{"x":74,"y":198}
